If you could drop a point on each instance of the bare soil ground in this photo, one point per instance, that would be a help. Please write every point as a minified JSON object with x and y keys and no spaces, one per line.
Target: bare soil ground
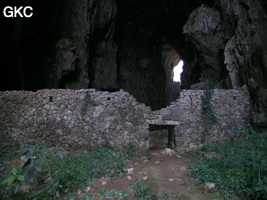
{"x":164,"y":173}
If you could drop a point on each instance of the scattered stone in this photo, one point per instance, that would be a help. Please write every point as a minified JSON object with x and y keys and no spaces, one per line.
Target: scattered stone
{"x":210,"y":154}
{"x":129,"y":178}
{"x":183,"y":168}
{"x":178,"y":156}
{"x":104,"y":183}
{"x":168,"y":152}
{"x":209,"y":186}
{"x":193,"y":146}
{"x":145,"y":161}
{"x":87,"y":189}
{"x":145,"y":178}
{"x":130,"y":171}
{"x":22,"y":158}
{"x":157,"y":162}
{"x":171,"y":179}
{"x":25,"y":187}
{"x":59,"y":131}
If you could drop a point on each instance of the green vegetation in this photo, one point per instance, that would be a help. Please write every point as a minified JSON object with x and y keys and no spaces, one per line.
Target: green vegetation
{"x":112,"y":194}
{"x":140,"y":190}
{"x":14,"y":179}
{"x":47,"y":174}
{"x":86,"y":101}
{"x":206,"y":108}
{"x":239,"y":167}
{"x":165,"y":195}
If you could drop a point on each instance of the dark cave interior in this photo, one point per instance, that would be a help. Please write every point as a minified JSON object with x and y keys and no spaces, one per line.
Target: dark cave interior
{"x":127,"y":44}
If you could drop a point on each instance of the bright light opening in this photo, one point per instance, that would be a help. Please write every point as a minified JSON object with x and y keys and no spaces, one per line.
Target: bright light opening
{"x":177,"y":70}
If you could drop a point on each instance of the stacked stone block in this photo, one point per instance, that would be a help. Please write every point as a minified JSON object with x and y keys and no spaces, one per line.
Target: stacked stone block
{"x":86,"y":118}
{"x":90,"y":118}
{"x":231,"y":108}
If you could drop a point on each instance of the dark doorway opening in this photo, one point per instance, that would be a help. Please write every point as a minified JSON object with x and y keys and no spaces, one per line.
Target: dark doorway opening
{"x":161,"y":137}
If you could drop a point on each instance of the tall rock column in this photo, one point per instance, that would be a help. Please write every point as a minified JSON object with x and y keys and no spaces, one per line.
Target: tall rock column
{"x":245,"y":52}
{"x":203,"y":30}
{"x":231,"y":45}
{"x":89,"y":26}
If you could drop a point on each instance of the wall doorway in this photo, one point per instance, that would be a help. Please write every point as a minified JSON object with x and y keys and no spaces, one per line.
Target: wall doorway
{"x":161,"y":137}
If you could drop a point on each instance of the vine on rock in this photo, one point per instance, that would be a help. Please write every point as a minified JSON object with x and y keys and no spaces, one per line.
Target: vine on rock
{"x":206,"y":108}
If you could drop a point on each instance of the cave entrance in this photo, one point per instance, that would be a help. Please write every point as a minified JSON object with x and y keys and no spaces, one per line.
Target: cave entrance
{"x":177,"y":71}
{"x":169,"y":60}
{"x":161,"y":137}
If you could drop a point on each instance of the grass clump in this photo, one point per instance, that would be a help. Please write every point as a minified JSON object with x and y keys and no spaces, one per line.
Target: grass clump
{"x":239,"y":168}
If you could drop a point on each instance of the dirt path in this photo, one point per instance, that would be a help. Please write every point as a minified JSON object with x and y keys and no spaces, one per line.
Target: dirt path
{"x":167,"y":176}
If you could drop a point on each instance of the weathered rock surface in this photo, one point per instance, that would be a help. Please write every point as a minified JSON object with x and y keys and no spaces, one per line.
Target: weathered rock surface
{"x":204,"y":30}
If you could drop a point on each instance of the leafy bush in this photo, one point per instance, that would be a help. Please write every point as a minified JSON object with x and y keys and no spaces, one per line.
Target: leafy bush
{"x":141,"y":190}
{"x":239,"y":167}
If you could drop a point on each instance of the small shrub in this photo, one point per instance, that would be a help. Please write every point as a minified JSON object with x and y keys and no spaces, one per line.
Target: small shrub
{"x":164,"y":195}
{"x":139,"y":190}
{"x":13,"y":179}
{"x":130,"y":151}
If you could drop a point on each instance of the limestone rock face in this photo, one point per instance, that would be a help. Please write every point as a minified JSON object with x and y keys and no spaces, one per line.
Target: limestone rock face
{"x":230,"y":43}
{"x":90,"y":24}
{"x":203,"y":29}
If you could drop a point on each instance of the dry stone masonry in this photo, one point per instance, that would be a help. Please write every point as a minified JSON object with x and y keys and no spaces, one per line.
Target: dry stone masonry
{"x":90,"y":118}
{"x":231,"y":107}
{"x":73,"y":117}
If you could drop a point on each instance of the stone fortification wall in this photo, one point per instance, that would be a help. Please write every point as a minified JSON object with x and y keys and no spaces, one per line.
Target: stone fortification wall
{"x":230,"y":107}
{"x":73,"y":117}
{"x":90,"y":118}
